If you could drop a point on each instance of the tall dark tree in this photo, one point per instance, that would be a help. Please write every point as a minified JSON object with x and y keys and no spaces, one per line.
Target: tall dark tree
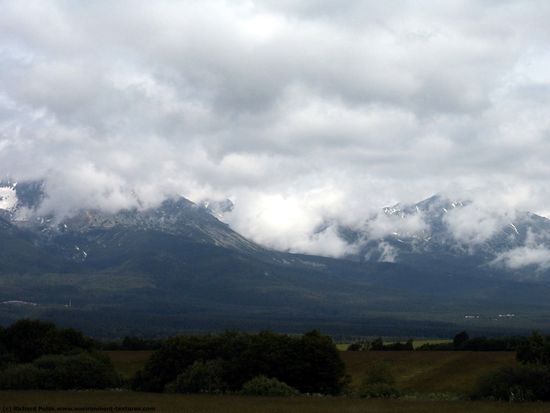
{"x":377,"y":345}
{"x":535,"y":351}
{"x":310,"y":363}
{"x":460,"y":340}
{"x":27,"y":340}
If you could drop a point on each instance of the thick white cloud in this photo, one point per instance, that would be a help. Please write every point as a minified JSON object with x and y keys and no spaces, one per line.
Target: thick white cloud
{"x":386,"y":251}
{"x":474,"y":224}
{"x":523,"y":257}
{"x":304,"y":113}
{"x":533,"y":254}
{"x":382,"y":225}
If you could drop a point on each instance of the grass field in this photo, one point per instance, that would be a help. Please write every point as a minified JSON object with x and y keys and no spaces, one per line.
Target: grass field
{"x":93,"y":401}
{"x":127,"y":363}
{"x":452,"y":372}
{"x":421,"y":375}
{"x":429,"y":371}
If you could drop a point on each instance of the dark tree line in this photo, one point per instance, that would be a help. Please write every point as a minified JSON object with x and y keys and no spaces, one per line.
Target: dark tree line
{"x":463,"y":342}
{"x":379,"y":345}
{"x":529,"y":381}
{"x":310,"y":363}
{"x":132,"y":344}
{"x":38,"y":355}
{"x":26,"y":340}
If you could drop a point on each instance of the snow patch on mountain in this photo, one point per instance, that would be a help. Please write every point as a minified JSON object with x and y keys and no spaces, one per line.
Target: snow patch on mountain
{"x":8,"y":197}
{"x":397,"y":222}
{"x":436,"y":228}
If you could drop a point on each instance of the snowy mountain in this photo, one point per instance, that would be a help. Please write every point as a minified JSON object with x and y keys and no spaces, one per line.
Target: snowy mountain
{"x":178,"y":217}
{"x":178,"y":266}
{"x":440,"y":229}
{"x":431,"y":232}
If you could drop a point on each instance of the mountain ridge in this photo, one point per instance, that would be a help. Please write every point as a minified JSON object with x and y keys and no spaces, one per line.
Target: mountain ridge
{"x":180,"y":264}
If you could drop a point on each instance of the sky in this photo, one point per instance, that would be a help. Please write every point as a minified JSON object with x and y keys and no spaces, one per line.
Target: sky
{"x":303,"y":113}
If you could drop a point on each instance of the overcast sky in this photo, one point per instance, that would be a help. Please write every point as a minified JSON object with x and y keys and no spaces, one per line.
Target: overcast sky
{"x":301,"y":112}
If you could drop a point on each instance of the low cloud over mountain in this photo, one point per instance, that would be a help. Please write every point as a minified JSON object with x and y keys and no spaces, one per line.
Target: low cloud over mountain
{"x":310,"y":116}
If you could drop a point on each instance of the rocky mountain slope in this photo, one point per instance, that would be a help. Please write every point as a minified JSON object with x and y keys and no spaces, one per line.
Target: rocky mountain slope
{"x":177,"y":267}
{"x":442,"y":232}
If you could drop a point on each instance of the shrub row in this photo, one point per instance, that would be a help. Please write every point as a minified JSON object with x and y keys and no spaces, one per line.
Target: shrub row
{"x":27,"y":340}
{"x":57,"y":372}
{"x":528,"y":382}
{"x":310,"y":363}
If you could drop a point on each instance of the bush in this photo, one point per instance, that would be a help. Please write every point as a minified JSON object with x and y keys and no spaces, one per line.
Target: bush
{"x":21,"y":377}
{"x":536,"y":350}
{"x":379,"y":390}
{"x":201,"y":377}
{"x":60,"y":359}
{"x":137,"y":343}
{"x":264,"y":386}
{"x":355,"y":347}
{"x":173,"y":358}
{"x":377,"y":345}
{"x":378,"y":382}
{"x":528,"y":382}
{"x":6,"y":359}
{"x":460,"y":340}
{"x":316,"y":366}
{"x":80,"y":371}
{"x":398,"y":346}
{"x":29,"y":339}
{"x":378,"y":373}
{"x":310,"y":363}
{"x":522,"y":383}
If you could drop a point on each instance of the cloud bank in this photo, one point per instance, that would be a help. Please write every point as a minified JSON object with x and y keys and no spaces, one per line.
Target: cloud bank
{"x":520,"y":257}
{"x":303,"y":113}
{"x":535,"y":254}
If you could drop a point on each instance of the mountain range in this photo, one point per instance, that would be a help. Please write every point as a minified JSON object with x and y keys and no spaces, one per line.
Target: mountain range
{"x":438,"y":231}
{"x":426,"y":269}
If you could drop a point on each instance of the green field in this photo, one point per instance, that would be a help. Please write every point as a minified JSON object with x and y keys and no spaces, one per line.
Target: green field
{"x":423,"y":376}
{"x":429,"y":371}
{"x":424,"y":372}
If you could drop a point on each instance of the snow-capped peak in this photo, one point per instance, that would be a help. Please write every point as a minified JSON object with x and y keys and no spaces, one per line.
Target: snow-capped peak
{"x":8,"y":197}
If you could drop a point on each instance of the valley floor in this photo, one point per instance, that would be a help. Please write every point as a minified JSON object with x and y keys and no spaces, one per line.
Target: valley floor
{"x":97,"y":401}
{"x":453,"y":373}
{"x":426,"y":373}
{"x":431,"y":381}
